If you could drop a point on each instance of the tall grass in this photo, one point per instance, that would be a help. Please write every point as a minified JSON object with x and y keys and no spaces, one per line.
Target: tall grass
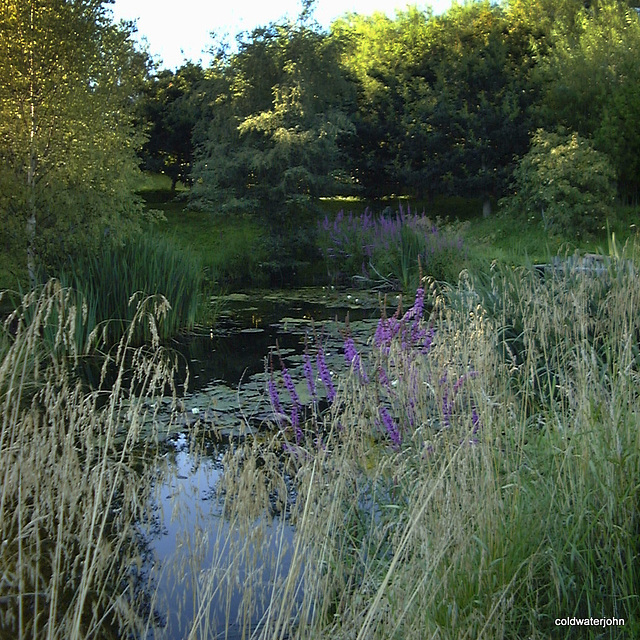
{"x":75,"y":474}
{"x":455,"y":488}
{"x":503,"y":504}
{"x":108,"y":284}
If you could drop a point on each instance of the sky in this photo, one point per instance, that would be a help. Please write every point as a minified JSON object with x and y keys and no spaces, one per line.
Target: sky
{"x":176,"y":30}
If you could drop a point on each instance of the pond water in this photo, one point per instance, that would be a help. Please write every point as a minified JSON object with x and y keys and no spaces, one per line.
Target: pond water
{"x":227,"y":369}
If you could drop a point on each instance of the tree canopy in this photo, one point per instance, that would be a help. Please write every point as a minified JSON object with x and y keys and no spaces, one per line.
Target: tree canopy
{"x":68,"y":80}
{"x":272,"y":119}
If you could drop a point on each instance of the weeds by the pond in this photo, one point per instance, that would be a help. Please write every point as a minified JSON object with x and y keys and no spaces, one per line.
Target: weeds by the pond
{"x":75,"y":475}
{"x":495,"y":506}
{"x":502,"y":505}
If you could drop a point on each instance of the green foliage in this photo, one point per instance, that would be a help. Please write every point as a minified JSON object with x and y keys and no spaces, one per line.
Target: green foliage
{"x":68,"y":168}
{"x":564,"y":183}
{"x":268,"y":139}
{"x":109,"y":284}
{"x":394,"y":250}
{"x":441,"y":100}
{"x":169,"y":108}
{"x":592,"y":83}
{"x":231,"y":250}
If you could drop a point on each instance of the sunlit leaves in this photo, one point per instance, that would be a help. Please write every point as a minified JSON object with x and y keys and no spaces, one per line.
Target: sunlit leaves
{"x":68,"y":79}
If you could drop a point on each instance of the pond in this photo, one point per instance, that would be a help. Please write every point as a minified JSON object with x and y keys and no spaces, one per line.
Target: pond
{"x":191,"y":541}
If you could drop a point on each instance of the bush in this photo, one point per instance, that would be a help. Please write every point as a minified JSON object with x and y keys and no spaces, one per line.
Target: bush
{"x":565,"y":183}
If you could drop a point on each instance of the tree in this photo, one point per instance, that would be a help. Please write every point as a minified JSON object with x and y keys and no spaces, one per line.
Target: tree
{"x":269,"y":137}
{"x":564,"y":183}
{"x":169,"y":108}
{"x":592,"y":84}
{"x":443,"y":101}
{"x":68,"y":80}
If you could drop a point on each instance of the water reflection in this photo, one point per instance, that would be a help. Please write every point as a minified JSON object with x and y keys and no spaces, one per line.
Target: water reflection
{"x":252,"y":322}
{"x":215,"y":578}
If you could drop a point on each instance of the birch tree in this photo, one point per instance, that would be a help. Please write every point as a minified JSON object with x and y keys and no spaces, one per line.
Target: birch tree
{"x":68,"y":167}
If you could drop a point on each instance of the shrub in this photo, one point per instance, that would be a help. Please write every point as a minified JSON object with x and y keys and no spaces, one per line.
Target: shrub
{"x":565,"y":183}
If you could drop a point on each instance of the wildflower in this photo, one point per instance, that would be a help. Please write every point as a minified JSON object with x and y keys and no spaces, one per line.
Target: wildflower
{"x":475,"y":421}
{"x":462,"y":378}
{"x":308,"y":374}
{"x":383,"y":378}
{"x":289,"y":385}
{"x":352,"y":356}
{"x":390,"y":427}
{"x":295,"y":423}
{"x":275,"y":398}
{"x":325,"y":375}
{"x":447,"y":408}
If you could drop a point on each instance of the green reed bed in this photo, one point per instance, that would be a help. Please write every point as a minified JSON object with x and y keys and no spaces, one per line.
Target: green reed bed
{"x":388,"y":248}
{"x":110,"y":281}
{"x":456,"y":489}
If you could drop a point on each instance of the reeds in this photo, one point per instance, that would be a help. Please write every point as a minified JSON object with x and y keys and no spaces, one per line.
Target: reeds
{"x":75,"y":473}
{"x":389,"y":249}
{"x":109,"y":281}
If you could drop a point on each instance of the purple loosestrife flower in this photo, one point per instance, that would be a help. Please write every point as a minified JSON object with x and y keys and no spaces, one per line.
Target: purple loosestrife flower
{"x":428,"y":340}
{"x":325,"y":375}
{"x":462,"y":378}
{"x":447,"y":407}
{"x":390,"y":427}
{"x":475,"y":421}
{"x":352,"y":356}
{"x":308,"y":374}
{"x":289,"y":385}
{"x":275,"y":398}
{"x":295,"y":423}
{"x":384,"y":379}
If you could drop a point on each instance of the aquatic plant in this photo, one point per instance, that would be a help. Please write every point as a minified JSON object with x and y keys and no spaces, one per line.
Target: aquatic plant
{"x":108,"y":282}
{"x":384,"y":247}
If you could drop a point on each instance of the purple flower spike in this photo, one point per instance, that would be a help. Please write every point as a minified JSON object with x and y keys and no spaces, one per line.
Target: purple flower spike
{"x":391,"y":428}
{"x":462,"y":378}
{"x":428,"y":341}
{"x":275,"y":399}
{"x":295,"y":423}
{"x":308,"y":374}
{"x":325,"y":375}
{"x":384,"y":379}
{"x":447,"y":407}
{"x":352,"y":356}
{"x":291,"y":388}
{"x":475,"y":421}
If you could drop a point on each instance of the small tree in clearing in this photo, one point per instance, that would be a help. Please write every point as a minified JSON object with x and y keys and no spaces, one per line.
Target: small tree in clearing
{"x":565,"y":183}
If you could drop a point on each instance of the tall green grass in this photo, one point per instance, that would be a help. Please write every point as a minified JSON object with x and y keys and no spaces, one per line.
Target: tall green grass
{"x":110,"y":282}
{"x":487,"y":532}
{"x":505,"y":507}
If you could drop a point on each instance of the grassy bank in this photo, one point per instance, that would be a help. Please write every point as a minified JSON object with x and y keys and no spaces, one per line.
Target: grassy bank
{"x":476,"y":477}
{"x":483,"y":485}
{"x":236,"y":250}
